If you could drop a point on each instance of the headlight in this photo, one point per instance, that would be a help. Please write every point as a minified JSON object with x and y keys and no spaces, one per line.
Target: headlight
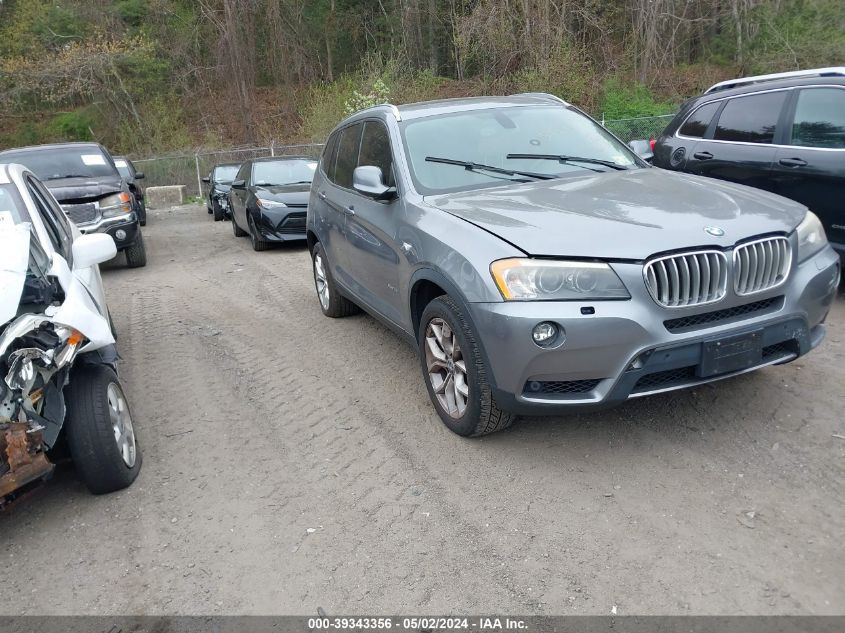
{"x":811,"y":237}
{"x":537,"y":279}
{"x":269,"y":204}
{"x":116,"y":205}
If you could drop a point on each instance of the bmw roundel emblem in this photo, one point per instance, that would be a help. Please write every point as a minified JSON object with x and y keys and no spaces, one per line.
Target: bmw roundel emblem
{"x":715,"y":231}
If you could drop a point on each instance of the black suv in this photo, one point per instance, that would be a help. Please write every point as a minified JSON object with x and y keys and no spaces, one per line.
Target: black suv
{"x":784,"y":133}
{"x":84,"y":180}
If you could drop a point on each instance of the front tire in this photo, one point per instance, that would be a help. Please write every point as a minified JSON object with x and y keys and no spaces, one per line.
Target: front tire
{"x":99,"y":430}
{"x":257,"y":243}
{"x":136,"y":255}
{"x":332,"y":303}
{"x":218,"y":211}
{"x":454,"y":372}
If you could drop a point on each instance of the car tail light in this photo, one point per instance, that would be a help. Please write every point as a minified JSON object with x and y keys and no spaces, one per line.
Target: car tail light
{"x":651,"y":143}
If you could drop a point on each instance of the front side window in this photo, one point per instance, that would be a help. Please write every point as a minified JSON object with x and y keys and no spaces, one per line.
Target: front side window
{"x":283,"y":172}
{"x":375,"y":150}
{"x":751,"y":119}
{"x":123,"y":168}
{"x":57,"y":227}
{"x":696,"y":125}
{"x":488,"y":136}
{"x":64,"y":162}
{"x":819,"y":118}
{"x":347,"y":154}
{"x":243,"y":172}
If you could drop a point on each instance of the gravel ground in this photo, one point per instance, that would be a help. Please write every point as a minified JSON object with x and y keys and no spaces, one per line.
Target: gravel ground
{"x":292,"y":461}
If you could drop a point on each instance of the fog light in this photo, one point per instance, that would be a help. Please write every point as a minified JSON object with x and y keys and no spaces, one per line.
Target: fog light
{"x":544,"y":333}
{"x":120,"y":234}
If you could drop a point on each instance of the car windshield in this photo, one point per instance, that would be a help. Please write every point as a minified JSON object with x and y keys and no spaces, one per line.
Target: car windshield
{"x":122,"y":168}
{"x":63,"y":162}
{"x":12,"y":210}
{"x":283,"y":172}
{"x":225,"y":174}
{"x":545,"y":140}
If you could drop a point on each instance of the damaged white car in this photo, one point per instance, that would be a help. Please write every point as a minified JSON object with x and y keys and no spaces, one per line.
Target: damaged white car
{"x":58,"y":374}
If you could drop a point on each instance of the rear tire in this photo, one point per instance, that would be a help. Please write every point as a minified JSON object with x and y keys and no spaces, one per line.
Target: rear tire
{"x":136,"y":255}
{"x":257,"y":243}
{"x":210,"y":211}
{"x":99,"y":430}
{"x":475,"y":413}
{"x":332,"y":303}
{"x":236,"y":229}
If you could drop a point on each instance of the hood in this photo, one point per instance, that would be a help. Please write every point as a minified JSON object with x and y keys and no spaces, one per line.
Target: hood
{"x":622,"y":215}
{"x":14,"y":261}
{"x":289,"y":194}
{"x":84,"y":188}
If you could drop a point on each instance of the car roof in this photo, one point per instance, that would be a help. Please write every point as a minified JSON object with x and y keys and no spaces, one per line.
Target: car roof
{"x":270,"y":159}
{"x":773,"y":84}
{"x":421,"y":109}
{"x":227,"y":165}
{"x":49,"y":146}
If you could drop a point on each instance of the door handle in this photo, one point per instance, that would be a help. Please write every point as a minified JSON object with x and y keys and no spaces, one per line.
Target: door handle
{"x":322,"y":195}
{"x":350,"y":210}
{"x":703,"y":155}
{"x":793,"y":162}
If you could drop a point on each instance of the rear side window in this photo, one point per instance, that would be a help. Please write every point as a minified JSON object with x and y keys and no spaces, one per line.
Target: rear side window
{"x":375,"y":150}
{"x":820,"y":118}
{"x":347,"y":154}
{"x":750,"y":119}
{"x":329,"y":154}
{"x":697,"y":123}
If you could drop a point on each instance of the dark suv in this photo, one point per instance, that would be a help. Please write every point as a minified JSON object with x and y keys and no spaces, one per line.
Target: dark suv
{"x":784,"y":133}
{"x":85,"y":181}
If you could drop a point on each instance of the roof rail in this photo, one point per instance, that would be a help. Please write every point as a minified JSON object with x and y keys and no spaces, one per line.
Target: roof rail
{"x":544,"y":95}
{"x":743,"y":81}
{"x":392,"y":107}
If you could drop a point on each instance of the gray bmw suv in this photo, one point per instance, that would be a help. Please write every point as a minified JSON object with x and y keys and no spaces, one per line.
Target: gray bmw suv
{"x":540,"y":266}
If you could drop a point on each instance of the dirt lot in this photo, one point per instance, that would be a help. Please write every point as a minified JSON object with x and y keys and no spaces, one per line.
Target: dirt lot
{"x":291,"y":462}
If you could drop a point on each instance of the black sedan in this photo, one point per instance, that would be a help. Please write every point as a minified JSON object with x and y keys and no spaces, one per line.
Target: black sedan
{"x":269,"y":199}
{"x":220,"y":181}
{"x":132,"y":176}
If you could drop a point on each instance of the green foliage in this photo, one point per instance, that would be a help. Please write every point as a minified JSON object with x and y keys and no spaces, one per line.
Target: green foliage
{"x":131,"y":11}
{"x":622,"y":101}
{"x":71,"y":126}
{"x":378,"y":93}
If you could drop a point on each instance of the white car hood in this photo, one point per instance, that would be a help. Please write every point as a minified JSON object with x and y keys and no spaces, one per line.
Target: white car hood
{"x":14,"y":260}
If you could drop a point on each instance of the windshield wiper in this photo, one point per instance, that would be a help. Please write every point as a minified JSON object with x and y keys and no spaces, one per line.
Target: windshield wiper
{"x":59,"y":177}
{"x":471,"y":166}
{"x":563,"y":158}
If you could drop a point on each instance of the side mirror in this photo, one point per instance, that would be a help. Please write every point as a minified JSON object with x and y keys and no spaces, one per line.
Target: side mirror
{"x":92,"y":249}
{"x":206,"y":180}
{"x":642,"y":148}
{"x":139,"y":175}
{"x":368,"y":180}
{"x":239,"y":184}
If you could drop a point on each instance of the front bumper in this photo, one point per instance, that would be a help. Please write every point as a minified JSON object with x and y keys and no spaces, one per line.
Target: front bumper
{"x":124,"y":230}
{"x":281,"y":225}
{"x":615,"y":350}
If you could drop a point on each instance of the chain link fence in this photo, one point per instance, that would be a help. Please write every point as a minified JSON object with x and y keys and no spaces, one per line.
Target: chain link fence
{"x":190,"y":169}
{"x":644,"y":127}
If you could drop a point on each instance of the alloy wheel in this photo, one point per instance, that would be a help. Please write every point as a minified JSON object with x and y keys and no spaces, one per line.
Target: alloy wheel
{"x":321,"y":281}
{"x":446,"y":367}
{"x":121,"y":422}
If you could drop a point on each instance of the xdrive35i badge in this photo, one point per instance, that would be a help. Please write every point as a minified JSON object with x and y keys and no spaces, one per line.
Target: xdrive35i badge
{"x":715,"y":231}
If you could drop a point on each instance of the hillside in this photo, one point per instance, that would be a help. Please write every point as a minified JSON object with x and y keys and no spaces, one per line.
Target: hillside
{"x":154,"y":76}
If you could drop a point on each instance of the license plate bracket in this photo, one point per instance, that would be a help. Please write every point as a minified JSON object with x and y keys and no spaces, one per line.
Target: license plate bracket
{"x":731,"y":353}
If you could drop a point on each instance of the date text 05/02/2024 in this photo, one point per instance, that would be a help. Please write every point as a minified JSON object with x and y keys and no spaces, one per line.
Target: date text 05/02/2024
{"x":423,"y":623}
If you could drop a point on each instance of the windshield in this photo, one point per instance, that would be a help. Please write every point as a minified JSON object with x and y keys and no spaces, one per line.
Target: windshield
{"x":283,"y":172}
{"x":12,"y":210}
{"x":64,"y":162}
{"x":122,"y":168}
{"x":489,"y":136}
{"x":225,"y":173}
